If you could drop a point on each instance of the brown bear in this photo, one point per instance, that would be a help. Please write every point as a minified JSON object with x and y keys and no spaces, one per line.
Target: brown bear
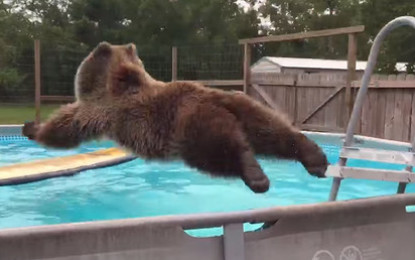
{"x":214,"y":131}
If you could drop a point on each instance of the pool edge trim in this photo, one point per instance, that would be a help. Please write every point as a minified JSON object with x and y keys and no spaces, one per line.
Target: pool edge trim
{"x":361,"y":137}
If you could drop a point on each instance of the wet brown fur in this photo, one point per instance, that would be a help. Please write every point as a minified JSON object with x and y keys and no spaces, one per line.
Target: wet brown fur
{"x":214,"y":131}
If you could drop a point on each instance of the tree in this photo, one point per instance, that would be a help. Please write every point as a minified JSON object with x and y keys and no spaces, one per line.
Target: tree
{"x":15,"y":38}
{"x":298,"y":16}
{"x":399,"y":45}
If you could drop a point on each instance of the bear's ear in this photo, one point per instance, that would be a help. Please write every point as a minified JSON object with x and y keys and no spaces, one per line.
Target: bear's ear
{"x":102,"y":50}
{"x":128,"y":78}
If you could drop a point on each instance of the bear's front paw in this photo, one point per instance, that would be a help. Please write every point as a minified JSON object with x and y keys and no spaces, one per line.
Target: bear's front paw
{"x":29,"y":130}
{"x":316,"y":163}
{"x":256,"y":180}
{"x":258,"y":185}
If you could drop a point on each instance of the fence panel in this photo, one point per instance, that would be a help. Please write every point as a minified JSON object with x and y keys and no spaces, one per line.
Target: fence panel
{"x":316,"y":102}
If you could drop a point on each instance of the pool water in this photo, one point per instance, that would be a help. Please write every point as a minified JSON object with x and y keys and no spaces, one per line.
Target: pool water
{"x":140,"y":189}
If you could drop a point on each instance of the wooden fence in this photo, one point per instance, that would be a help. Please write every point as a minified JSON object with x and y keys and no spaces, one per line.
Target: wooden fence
{"x":316,"y":102}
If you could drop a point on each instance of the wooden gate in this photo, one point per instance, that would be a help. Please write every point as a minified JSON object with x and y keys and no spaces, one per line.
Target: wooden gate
{"x":312,"y":102}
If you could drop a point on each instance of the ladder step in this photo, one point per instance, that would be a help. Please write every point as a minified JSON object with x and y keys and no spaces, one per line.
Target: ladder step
{"x":370,"y":174}
{"x":395,"y":157}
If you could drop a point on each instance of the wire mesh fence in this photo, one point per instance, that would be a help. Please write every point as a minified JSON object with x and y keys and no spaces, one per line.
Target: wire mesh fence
{"x":207,"y":62}
{"x":157,"y":61}
{"x":17,"y":80}
{"x":58,"y":68}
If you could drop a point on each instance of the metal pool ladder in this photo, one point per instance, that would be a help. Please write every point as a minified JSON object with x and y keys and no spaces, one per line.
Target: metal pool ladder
{"x":341,"y":171}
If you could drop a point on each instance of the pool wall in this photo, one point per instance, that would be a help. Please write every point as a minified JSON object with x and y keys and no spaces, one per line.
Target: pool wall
{"x":362,"y":229}
{"x":11,"y":132}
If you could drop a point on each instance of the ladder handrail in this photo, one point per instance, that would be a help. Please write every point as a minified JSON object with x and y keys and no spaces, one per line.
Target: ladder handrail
{"x":357,"y":108}
{"x":374,"y":51}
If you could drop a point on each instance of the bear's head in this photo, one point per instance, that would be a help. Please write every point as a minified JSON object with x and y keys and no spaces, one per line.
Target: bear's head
{"x":110,"y":71}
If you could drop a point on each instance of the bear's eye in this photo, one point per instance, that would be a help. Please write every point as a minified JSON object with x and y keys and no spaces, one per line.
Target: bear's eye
{"x":127,"y":76}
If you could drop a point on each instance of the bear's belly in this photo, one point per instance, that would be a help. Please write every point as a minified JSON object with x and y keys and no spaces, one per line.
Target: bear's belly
{"x":146,"y":140}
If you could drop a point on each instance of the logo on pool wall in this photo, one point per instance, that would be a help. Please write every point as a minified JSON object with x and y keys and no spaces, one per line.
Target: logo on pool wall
{"x":323,"y":255}
{"x":348,"y":253}
{"x":351,"y":253}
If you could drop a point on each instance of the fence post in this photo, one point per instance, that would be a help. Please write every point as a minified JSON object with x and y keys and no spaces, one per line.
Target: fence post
{"x":351,"y":75}
{"x":247,"y":66}
{"x":37,"y":81}
{"x":174,"y":63}
{"x":295,"y":88}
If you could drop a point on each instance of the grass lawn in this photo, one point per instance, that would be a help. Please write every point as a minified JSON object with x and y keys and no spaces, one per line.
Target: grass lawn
{"x":18,"y":114}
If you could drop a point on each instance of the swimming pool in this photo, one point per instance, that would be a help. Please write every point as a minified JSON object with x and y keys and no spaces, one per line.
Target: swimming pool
{"x":138,"y":188}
